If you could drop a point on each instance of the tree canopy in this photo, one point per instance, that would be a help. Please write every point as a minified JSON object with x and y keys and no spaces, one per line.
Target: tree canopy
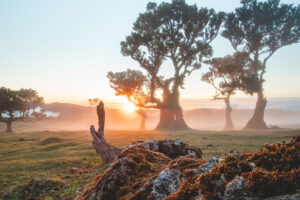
{"x":231,"y":73}
{"x":19,"y":105}
{"x":93,"y":102}
{"x":175,"y":31}
{"x":132,"y":84}
{"x":260,"y":29}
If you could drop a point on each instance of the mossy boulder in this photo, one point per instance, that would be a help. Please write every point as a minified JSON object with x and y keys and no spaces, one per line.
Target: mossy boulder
{"x":144,"y":171}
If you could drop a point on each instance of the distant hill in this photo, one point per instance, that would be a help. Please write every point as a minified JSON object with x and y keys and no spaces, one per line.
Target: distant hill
{"x":68,"y":110}
{"x":74,"y":116}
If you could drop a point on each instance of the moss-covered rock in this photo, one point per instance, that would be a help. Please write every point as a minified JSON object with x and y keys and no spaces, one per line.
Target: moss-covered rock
{"x":145,"y":171}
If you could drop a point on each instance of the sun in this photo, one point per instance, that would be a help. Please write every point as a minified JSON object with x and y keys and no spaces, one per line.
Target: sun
{"x":129,"y":107}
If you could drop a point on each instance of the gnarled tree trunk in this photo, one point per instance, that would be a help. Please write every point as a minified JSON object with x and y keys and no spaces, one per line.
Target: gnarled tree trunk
{"x":179,"y":121}
{"x":228,"y":111}
{"x":166,"y":120}
{"x":107,"y":152}
{"x":171,"y":119}
{"x":257,"y":120}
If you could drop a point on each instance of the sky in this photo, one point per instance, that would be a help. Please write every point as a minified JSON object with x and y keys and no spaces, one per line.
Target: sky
{"x":64,"y":48}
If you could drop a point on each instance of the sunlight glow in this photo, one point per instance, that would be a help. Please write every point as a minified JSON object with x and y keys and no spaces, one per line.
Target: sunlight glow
{"x":129,"y":107}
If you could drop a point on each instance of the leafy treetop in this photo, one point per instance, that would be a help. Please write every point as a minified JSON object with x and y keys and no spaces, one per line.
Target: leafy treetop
{"x":174,"y":31}
{"x":229,"y":74}
{"x":131,"y":84}
{"x":19,"y":104}
{"x":261,"y":28}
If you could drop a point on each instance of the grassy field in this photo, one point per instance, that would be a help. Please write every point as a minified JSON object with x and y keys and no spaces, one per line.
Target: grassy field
{"x":68,"y":157}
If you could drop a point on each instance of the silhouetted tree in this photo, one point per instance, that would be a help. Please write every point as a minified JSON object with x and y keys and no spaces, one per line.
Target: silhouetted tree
{"x":132,"y":84}
{"x":19,"y":105}
{"x":227,"y":75}
{"x":93,"y":102}
{"x":176,"y":32}
{"x":260,"y":29}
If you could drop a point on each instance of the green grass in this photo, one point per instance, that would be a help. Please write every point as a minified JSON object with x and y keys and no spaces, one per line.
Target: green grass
{"x":22,"y":160}
{"x":70,"y":156}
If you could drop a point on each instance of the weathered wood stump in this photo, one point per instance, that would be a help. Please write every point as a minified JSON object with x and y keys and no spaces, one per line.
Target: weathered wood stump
{"x":171,"y":148}
{"x":107,"y":152}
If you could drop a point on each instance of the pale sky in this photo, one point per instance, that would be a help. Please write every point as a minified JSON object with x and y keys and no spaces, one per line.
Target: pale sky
{"x":64,"y":49}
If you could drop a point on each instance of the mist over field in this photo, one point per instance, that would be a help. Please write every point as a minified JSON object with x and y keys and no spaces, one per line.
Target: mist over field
{"x":199,"y":114}
{"x":285,"y":104}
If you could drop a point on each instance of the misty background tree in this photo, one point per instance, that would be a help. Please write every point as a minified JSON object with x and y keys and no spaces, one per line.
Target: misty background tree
{"x":93,"y":102}
{"x":19,"y":105}
{"x":178,"y":35}
{"x":227,"y":75}
{"x":260,"y":29}
{"x":134,"y":85}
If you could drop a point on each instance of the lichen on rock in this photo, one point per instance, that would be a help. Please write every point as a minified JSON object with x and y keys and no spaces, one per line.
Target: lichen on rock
{"x":168,"y":170}
{"x":171,"y":148}
{"x":165,"y":183}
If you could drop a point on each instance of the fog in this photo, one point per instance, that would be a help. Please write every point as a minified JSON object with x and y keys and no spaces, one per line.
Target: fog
{"x":75,"y":117}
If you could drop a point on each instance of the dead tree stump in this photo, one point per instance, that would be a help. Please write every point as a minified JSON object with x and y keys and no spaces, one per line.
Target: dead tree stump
{"x":107,"y":152}
{"x":171,"y":148}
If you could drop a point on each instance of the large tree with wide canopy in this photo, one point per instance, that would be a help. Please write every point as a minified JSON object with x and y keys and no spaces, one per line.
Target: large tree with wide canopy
{"x":260,"y":29}
{"x":175,"y":33}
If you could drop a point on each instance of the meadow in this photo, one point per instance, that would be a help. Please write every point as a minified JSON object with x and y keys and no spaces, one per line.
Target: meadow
{"x":58,"y":164}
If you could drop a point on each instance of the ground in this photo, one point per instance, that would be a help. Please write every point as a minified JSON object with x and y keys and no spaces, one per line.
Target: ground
{"x":68,"y":157}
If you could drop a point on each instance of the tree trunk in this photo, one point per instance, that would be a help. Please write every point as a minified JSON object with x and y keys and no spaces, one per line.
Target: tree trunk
{"x":143,"y":123}
{"x":228,"y":111}
{"x":257,"y":119}
{"x":179,"y":121}
{"x":143,"y":115}
{"x":8,"y":127}
{"x":102,"y":147}
{"x":167,"y":119}
{"x":171,"y":119}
